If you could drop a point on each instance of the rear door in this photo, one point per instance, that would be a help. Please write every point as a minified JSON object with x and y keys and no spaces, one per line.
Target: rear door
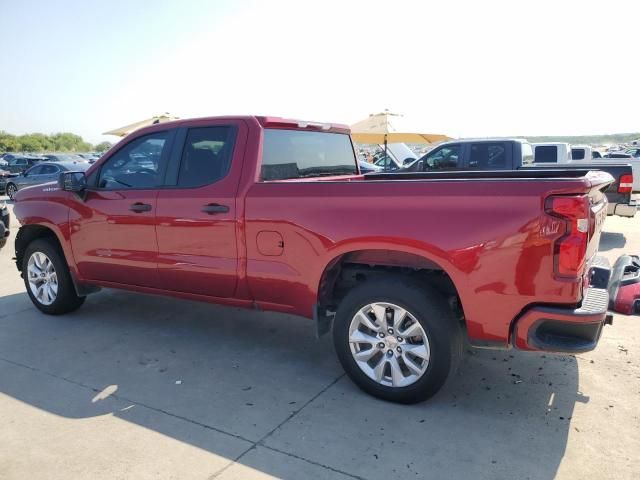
{"x":113,"y":229}
{"x":197,"y":220}
{"x":488,"y":156}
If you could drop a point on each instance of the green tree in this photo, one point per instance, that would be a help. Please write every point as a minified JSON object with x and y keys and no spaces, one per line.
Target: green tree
{"x":34,"y":142}
{"x":103,"y":146}
{"x":8,"y":142}
{"x":68,"y":142}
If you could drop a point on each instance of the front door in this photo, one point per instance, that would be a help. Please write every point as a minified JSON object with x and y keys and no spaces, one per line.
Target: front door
{"x":196,"y":214}
{"x":113,"y":233}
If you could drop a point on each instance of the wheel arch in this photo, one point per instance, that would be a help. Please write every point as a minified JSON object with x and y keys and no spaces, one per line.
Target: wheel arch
{"x":29,"y":233}
{"x":372,"y":263}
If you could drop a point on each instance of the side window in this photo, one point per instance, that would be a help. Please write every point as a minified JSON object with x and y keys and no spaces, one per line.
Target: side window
{"x":577,"y":153}
{"x":445,"y":158}
{"x":546,"y":154}
{"x":488,"y":156}
{"x":34,"y":170}
{"x":136,"y":165}
{"x":206,"y":156}
{"x":49,"y":169}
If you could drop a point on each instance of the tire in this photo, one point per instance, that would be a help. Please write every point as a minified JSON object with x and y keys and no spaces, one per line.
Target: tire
{"x":426,"y":307}
{"x":11,"y":190}
{"x":66,"y":300}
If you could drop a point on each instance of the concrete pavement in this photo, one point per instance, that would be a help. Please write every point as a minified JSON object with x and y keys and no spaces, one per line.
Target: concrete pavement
{"x":135,"y":386}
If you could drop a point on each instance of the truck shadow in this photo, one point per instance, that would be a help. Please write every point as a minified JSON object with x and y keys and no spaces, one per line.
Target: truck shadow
{"x":224,"y":379}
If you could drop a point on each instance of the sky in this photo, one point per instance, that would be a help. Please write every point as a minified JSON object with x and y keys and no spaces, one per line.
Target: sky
{"x":462,"y":68}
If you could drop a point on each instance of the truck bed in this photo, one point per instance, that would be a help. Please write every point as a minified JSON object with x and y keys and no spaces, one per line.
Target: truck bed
{"x":532,"y":173}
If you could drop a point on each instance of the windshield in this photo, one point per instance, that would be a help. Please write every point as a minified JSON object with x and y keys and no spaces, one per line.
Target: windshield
{"x":301,"y":154}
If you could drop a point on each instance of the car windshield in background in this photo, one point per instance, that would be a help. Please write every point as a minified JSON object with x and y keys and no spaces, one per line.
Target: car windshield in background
{"x":302,"y":154}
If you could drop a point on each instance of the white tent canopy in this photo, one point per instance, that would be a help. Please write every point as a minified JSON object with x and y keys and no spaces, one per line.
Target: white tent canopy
{"x":392,"y":128}
{"x":127,"y":129}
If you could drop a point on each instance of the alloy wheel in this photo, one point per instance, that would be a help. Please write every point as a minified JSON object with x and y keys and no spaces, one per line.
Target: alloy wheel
{"x":388,"y":344}
{"x":42,"y":277}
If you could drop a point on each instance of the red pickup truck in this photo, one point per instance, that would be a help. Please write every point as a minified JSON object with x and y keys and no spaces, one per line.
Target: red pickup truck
{"x":268,"y":213}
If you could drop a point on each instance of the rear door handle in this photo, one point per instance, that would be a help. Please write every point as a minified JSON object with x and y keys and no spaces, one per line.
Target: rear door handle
{"x":140,"y":207}
{"x":214,"y":208}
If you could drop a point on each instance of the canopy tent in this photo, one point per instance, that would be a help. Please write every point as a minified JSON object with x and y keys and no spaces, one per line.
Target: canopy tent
{"x":392,"y":127}
{"x":387,"y":127}
{"x":127,"y":129}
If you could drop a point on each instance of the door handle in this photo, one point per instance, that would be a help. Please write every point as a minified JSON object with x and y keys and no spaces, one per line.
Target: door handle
{"x":140,"y":207}
{"x":214,"y":208}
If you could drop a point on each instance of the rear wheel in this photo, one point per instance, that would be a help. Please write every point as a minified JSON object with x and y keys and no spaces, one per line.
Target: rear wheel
{"x":47,"y":278}
{"x":11,"y":190}
{"x":397,"y":339}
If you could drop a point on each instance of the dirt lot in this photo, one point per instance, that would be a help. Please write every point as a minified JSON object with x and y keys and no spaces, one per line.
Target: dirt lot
{"x":135,"y":386}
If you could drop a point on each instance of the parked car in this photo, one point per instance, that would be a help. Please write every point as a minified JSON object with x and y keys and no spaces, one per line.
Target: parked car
{"x":4,"y":224}
{"x":63,"y":157}
{"x":42,"y":173}
{"x":634,"y":152}
{"x":20,"y":163}
{"x":366,"y":167}
{"x":398,"y":157}
{"x":269,"y":213}
{"x":515,"y":154}
{"x":90,"y":157}
{"x":5,"y":175}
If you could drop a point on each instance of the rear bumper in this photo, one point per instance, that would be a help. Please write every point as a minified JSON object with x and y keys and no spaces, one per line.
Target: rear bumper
{"x":623,"y":209}
{"x":568,"y":330}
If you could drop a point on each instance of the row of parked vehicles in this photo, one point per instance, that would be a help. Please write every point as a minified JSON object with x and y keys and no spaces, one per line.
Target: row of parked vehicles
{"x":20,"y":170}
{"x":502,"y":154}
{"x":403,"y":268}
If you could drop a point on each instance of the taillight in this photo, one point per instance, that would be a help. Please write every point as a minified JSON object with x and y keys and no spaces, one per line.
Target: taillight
{"x":625,"y":185}
{"x":570,"y":249}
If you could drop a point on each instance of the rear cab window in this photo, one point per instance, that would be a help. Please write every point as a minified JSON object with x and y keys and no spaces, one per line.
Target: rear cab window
{"x":291,"y":154}
{"x":546,"y":154}
{"x":577,"y":153}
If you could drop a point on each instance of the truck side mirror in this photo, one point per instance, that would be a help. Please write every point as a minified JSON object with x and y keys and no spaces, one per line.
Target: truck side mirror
{"x":72,"y":181}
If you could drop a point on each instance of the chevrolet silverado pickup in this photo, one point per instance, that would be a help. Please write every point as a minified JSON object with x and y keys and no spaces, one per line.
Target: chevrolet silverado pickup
{"x":273,"y":214}
{"x":515,"y":154}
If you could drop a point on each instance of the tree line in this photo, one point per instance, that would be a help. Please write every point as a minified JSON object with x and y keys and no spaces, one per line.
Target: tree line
{"x":56,"y":142}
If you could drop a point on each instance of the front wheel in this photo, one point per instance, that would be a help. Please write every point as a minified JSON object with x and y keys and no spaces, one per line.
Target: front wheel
{"x":47,"y":278}
{"x":397,"y":339}
{"x":11,"y":190}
